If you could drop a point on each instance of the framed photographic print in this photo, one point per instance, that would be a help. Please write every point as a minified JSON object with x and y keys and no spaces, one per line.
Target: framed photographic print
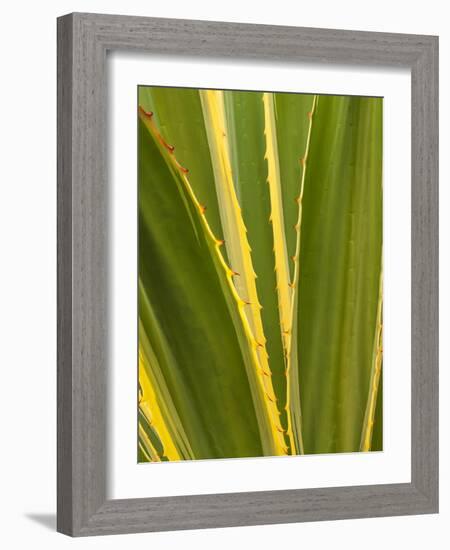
{"x":247,"y":274}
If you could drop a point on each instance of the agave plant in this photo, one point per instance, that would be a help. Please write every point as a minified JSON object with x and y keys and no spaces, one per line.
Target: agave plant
{"x":260,"y":274}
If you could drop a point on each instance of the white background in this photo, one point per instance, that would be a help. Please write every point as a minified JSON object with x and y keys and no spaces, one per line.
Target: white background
{"x":393,"y":465}
{"x":28,"y":274}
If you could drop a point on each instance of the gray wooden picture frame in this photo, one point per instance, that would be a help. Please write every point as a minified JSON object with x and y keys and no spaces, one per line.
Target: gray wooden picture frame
{"x":83,"y":240}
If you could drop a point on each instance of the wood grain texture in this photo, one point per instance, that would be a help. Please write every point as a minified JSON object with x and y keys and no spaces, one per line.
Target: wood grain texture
{"x":83,"y":242}
{"x":425,"y":272}
{"x":64,"y":299}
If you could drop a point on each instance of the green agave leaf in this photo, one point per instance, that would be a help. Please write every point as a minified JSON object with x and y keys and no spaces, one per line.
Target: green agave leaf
{"x":375,"y":374}
{"x":191,"y":300}
{"x":149,"y":441}
{"x":292,"y":122}
{"x":276,"y":219}
{"x":245,"y":120}
{"x":155,"y":357}
{"x":340,"y":263}
{"x":287,"y":126}
{"x":240,"y":255}
{"x":377,"y":436}
{"x":179,"y":117}
{"x":293,"y":406}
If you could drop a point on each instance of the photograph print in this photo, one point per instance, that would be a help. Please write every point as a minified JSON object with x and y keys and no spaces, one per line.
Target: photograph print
{"x":260,"y":291}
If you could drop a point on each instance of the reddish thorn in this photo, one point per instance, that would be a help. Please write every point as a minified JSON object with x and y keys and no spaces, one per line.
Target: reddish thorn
{"x":170,"y":148}
{"x":272,"y":399}
{"x":234,"y":273}
{"x":148,"y":114}
{"x":181,"y":168}
{"x":220,"y":242}
{"x":202,"y":209}
{"x":310,"y":114}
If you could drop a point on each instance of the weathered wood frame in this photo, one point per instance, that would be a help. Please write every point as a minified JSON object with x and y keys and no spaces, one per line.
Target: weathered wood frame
{"x":83,"y":41}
